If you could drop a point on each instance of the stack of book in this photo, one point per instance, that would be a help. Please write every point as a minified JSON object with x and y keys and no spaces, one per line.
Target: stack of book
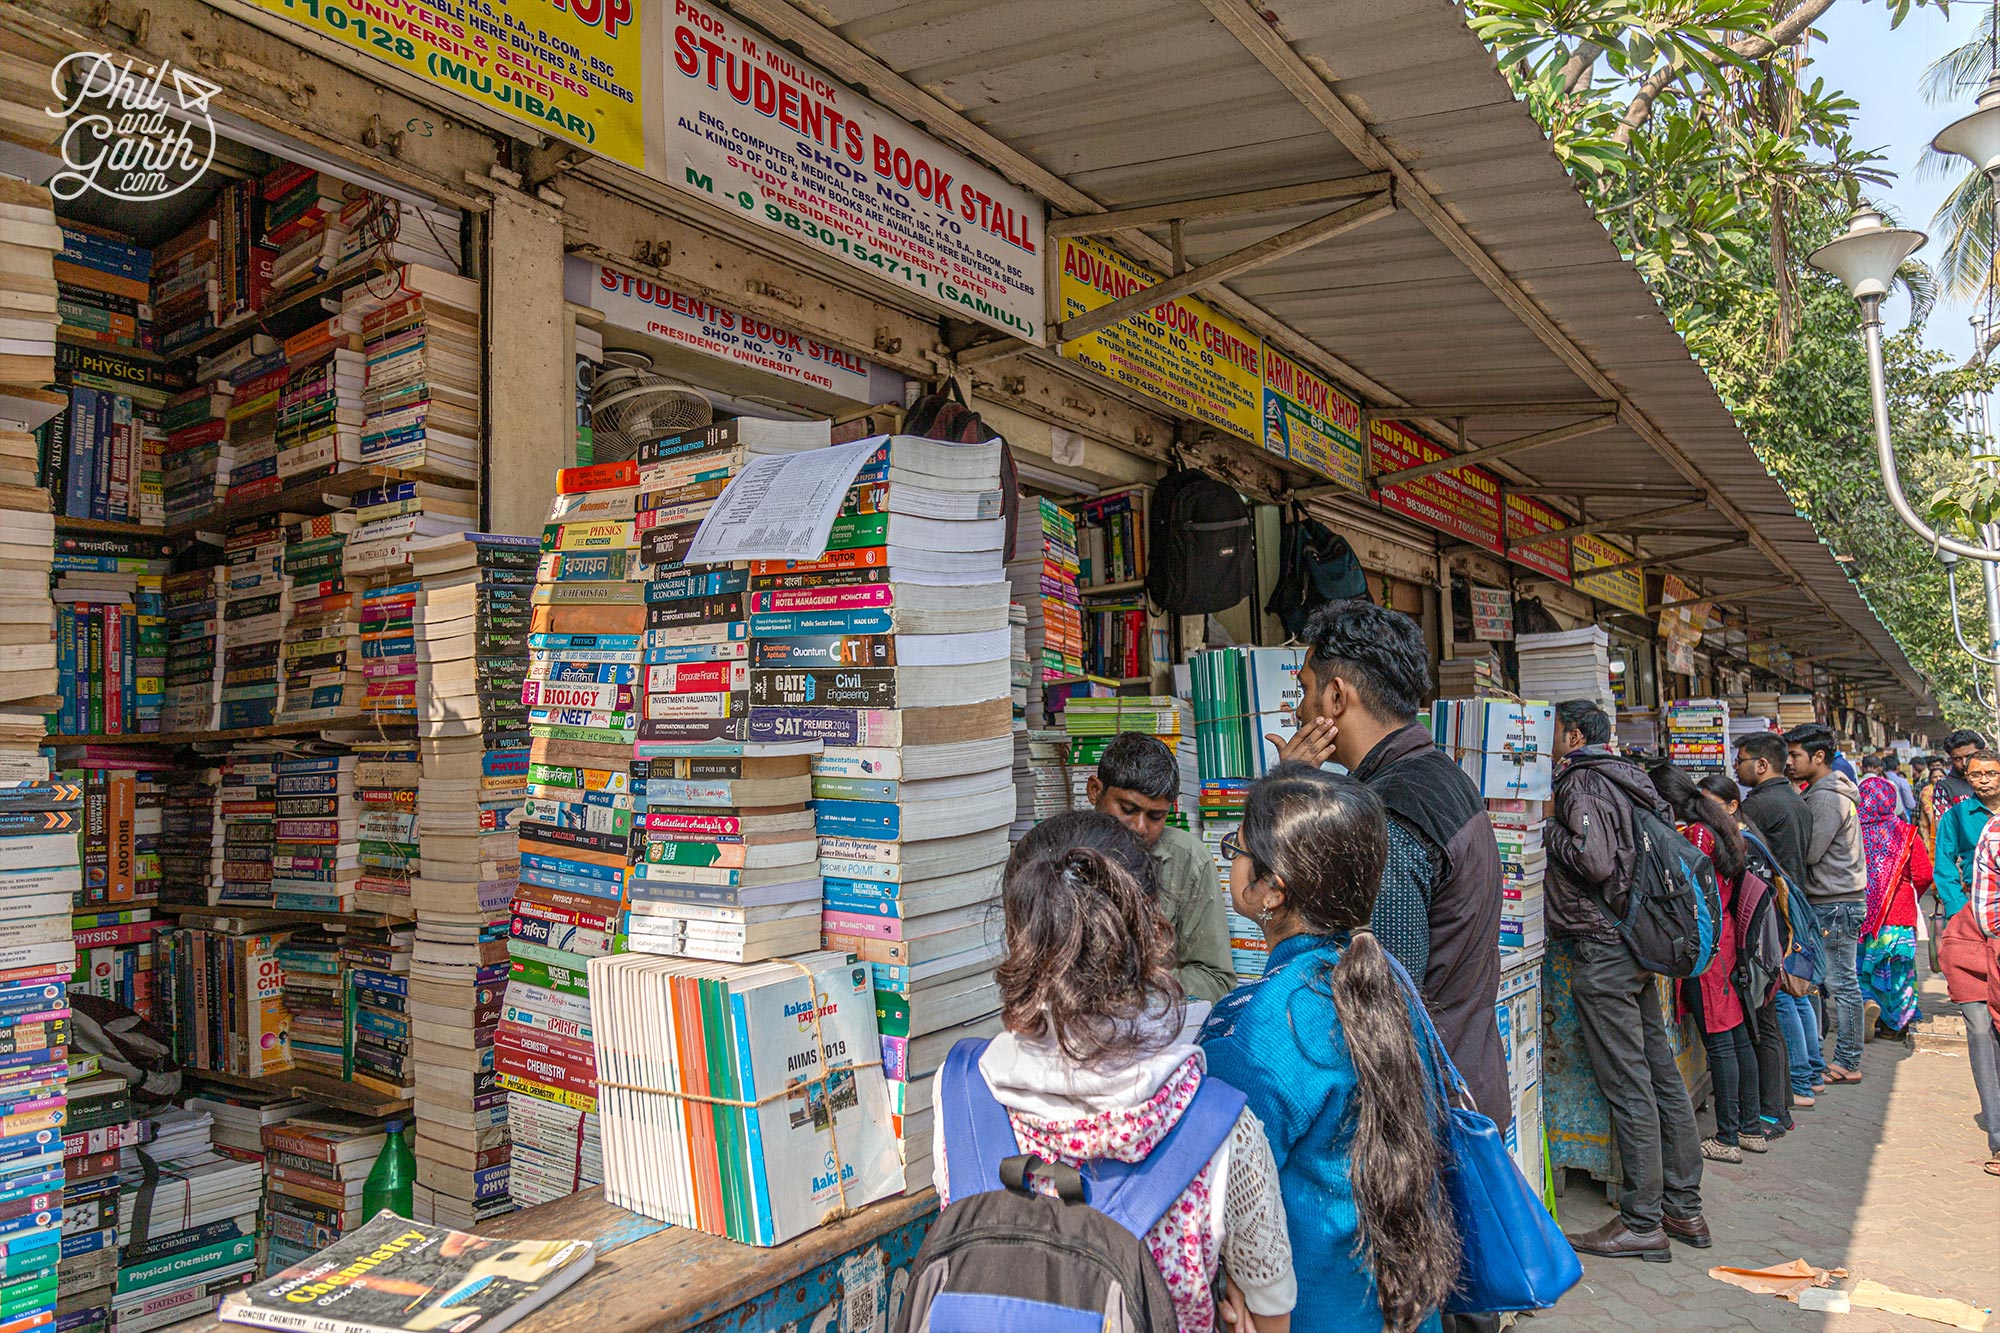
{"x":315,"y":1167}
{"x":913,"y":794}
{"x":1506,"y":747}
{"x":394,"y":518}
{"x":198,"y":457}
{"x":1043,"y":575}
{"x":1472,"y":671}
{"x":316,"y":998}
{"x":1573,"y":664}
{"x":1093,"y":722}
{"x":193,"y":674}
{"x":316,"y":856}
{"x":187,"y":1224}
{"x":377,"y":962}
{"x":240,"y":1115}
{"x":38,"y":875}
{"x":1638,"y":730}
{"x":100,"y":1120}
{"x":422,"y":398}
{"x":257,"y":384}
{"x":1111,"y":539}
{"x":754,"y":1173}
{"x":301,"y":219}
{"x":1041,"y":779}
{"x":386,"y":778}
{"x":389,"y":651}
{"x":111,"y":631}
{"x":192,"y":842}
{"x":321,"y":656}
{"x":1796,"y":710}
{"x":582,"y":760}
{"x":118,"y":842}
{"x":30,"y":242}
{"x":731,"y":864}
{"x":114,"y":957}
{"x":378,"y":228}
{"x":255,"y":608}
{"x":320,"y":412}
{"x":1517,"y":828}
{"x":1698,"y":733}
{"x":458,"y":977}
{"x":248,"y":808}
{"x":222,"y":991}
{"x":104,"y":287}
{"x":1748,"y":724}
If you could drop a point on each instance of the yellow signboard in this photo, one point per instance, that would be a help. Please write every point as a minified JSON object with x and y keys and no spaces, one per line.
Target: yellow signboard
{"x":1625,"y":590}
{"x":1183,"y":353}
{"x":569,"y":67}
{"x":1310,"y":422}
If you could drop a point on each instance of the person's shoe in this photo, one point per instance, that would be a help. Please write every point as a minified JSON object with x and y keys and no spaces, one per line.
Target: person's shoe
{"x":1615,"y":1240}
{"x":1842,"y":1074}
{"x":1803,"y":1103}
{"x":1753,"y":1143}
{"x":1715,"y":1150}
{"x":1819,"y":1086}
{"x":1691,"y":1231}
{"x":1871,"y":1016}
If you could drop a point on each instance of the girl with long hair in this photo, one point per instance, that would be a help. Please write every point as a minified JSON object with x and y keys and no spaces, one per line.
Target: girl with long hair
{"x":1335,"y":1053}
{"x":1091,"y":1067}
{"x":1712,"y":997}
{"x":1899,"y":870}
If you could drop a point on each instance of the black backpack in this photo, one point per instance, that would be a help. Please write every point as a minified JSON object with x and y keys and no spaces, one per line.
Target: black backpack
{"x":1198,"y":542}
{"x":1002,"y":1256}
{"x":1673,"y":911}
{"x":1315,"y":566}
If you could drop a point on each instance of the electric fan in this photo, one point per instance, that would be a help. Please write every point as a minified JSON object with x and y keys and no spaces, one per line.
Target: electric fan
{"x":629,"y":403}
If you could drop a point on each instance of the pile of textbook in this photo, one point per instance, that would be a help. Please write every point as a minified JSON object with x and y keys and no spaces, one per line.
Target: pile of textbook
{"x":187,"y":1223}
{"x":913,"y":794}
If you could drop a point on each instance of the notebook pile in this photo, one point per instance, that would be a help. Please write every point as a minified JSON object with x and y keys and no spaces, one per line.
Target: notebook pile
{"x":1572,"y":664}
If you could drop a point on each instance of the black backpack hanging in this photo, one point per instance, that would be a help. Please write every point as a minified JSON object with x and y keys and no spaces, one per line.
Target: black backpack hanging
{"x":1199,"y":555}
{"x":1315,"y":566}
{"x":945,"y":415}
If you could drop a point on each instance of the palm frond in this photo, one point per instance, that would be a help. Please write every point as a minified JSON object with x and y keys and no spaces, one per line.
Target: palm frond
{"x":1965,"y":257}
{"x":1958,"y":71}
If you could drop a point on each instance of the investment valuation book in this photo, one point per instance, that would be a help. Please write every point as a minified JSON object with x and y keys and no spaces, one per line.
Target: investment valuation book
{"x":397,"y":1276}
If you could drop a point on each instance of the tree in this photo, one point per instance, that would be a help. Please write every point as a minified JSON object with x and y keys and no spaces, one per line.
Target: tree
{"x":1717,"y":164}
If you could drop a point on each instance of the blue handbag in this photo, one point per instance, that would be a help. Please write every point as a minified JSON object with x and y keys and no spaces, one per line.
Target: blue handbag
{"x":1515,"y":1257}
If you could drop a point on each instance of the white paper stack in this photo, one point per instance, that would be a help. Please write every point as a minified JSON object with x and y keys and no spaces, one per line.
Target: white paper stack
{"x":1574,"y":664}
{"x":1517,"y":828}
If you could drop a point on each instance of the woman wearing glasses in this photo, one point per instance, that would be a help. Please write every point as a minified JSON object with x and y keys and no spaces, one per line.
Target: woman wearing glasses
{"x":1334,"y":1054}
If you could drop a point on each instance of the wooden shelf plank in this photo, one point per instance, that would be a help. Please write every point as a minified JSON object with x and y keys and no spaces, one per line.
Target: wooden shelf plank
{"x":108,"y":527}
{"x":308,"y":495}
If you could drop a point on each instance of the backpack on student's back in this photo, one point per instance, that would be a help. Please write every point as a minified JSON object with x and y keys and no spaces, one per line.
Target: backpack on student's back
{"x":1315,"y":566}
{"x":1804,"y":957}
{"x":1003,"y":1257}
{"x":1673,"y":909}
{"x":1760,"y":945}
{"x":1199,"y":557}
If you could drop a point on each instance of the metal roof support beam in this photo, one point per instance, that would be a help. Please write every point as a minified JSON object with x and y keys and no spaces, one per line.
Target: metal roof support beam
{"x":1609,"y":492}
{"x":1445,"y":411}
{"x":1260,"y":37}
{"x":1715,"y":597}
{"x":1666,"y":558}
{"x":1663,"y":530}
{"x":1219,"y":206}
{"x":1619,"y":524}
{"x":1539,"y":439}
{"x":1271,"y":248}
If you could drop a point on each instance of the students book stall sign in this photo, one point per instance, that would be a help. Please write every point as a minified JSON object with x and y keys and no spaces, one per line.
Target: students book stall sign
{"x":573,"y":73}
{"x":645,"y":305}
{"x":754,"y":130}
{"x":1183,"y":353}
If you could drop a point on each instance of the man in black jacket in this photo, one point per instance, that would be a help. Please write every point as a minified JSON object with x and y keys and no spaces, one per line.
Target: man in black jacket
{"x":1438,"y":910}
{"x":1773,"y":806}
{"x":1592,"y":841}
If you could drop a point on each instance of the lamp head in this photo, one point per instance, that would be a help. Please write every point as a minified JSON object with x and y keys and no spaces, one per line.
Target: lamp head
{"x":1866,"y":256}
{"x":1976,"y":137}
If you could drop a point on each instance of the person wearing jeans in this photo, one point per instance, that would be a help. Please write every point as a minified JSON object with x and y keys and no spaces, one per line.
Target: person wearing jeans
{"x":1836,"y":882}
{"x":1800,"y":1025}
{"x":1969,"y":956}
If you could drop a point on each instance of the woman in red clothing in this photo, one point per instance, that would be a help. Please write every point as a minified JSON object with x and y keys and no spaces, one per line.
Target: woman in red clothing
{"x":1712,"y":997}
{"x":1899,"y":869}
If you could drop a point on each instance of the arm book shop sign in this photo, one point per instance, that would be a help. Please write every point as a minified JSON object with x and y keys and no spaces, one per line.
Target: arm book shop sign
{"x":754,"y":130}
{"x":572,"y":69}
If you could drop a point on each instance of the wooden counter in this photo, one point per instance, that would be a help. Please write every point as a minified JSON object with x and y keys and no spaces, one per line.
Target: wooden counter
{"x":652,"y":1278}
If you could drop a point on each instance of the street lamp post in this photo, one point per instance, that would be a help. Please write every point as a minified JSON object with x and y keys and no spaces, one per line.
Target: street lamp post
{"x":1865,"y":259}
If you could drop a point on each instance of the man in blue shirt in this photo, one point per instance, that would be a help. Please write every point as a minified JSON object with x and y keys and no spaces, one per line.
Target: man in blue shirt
{"x":1959,"y":829}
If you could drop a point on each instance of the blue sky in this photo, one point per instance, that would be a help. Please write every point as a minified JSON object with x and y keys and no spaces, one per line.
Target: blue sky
{"x":1881,"y":67}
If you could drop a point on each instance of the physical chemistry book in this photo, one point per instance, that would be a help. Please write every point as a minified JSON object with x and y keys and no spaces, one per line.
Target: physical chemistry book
{"x":397,"y":1276}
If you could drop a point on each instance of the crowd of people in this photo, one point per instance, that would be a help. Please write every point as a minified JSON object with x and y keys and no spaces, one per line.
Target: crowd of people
{"x":1378,"y":892}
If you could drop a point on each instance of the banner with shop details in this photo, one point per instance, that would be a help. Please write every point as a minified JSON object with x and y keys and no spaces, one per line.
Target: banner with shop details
{"x":570,"y":69}
{"x":1462,"y":503}
{"x":755,"y":131}
{"x":644,"y":305}
{"x":1184,"y":353}
{"x":1528,"y":517}
{"x":1310,"y":422}
{"x":1625,"y":590}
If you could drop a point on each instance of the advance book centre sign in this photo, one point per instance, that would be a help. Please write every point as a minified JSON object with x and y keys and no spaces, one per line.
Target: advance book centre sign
{"x":760,"y":133}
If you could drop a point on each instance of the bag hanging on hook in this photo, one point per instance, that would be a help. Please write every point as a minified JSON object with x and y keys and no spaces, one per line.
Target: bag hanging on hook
{"x":1316,"y":565}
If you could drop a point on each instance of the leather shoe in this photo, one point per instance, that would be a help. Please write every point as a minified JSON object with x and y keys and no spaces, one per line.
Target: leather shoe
{"x":1688,"y":1230}
{"x":1615,"y":1240}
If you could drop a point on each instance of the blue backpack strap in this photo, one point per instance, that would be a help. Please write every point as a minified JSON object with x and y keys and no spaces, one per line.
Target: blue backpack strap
{"x":1136,"y":1195}
{"x":978,"y":1136}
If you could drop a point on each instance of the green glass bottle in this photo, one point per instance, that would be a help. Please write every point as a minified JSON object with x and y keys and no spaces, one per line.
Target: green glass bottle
{"x":392,"y":1180}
